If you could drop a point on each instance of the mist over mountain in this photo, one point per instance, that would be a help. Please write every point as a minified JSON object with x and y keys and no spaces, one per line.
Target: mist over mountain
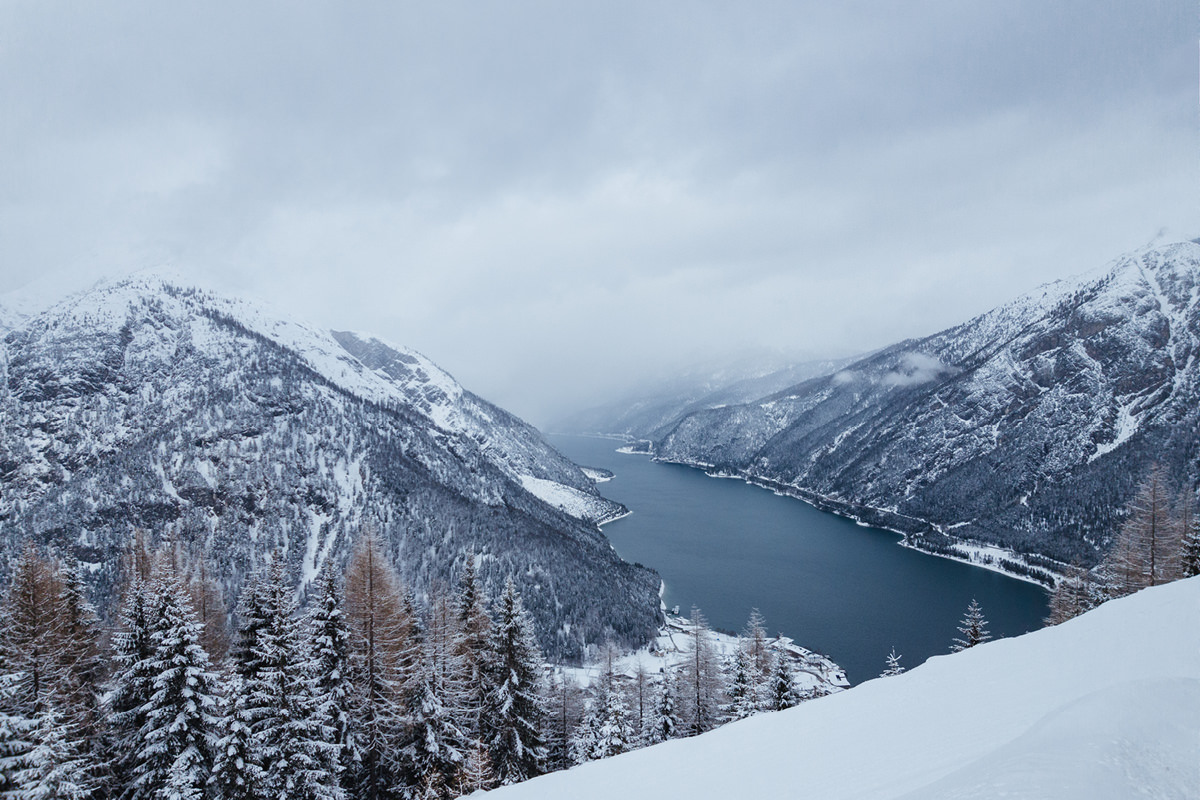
{"x":240,"y":433}
{"x":1027,"y":427}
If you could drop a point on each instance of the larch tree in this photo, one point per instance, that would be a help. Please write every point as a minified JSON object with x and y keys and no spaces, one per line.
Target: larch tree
{"x":81,"y":664}
{"x":29,"y":619}
{"x":383,"y":647}
{"x":1146,"y":552}
{"x":973,"y":629}
{"x":566,"y":710}
{"x":702,"y":678}
{"x":756,"y":641}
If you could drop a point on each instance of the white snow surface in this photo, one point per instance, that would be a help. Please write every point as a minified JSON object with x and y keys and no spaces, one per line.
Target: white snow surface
{"x":578,"y":504}
{"x":1104,"y":706}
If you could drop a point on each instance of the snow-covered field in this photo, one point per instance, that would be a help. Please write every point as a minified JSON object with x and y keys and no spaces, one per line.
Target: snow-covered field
{"x":1104,"y":706}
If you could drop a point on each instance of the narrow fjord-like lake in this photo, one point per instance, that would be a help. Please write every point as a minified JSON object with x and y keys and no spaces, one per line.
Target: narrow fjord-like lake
{"x":839,"y":588}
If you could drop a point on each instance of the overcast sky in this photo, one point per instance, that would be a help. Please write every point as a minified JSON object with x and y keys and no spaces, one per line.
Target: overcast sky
{"x":555,"y":200}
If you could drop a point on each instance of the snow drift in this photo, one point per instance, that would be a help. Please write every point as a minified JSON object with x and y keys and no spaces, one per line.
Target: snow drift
{"x":1104,"y":706}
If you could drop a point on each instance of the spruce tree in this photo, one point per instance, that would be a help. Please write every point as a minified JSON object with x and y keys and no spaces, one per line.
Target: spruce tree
{"x":566,"y":711}
{"x":57,"y":767}
{"x":437,"y":748}
{"x":174,"y":748}
{"x":287,"y":735}
{"x":783,"y":692}
{"x":237,"y":773}
{"x":17,"y":732}
{"x":474,"y":647}
{"x":517,"y":707}
{"x":742,"y":694}
{"x":132,"y":683}
{"x":666,"y":714}
{"x":973,"y":629}
{"x":331,"y":653}
{"x":81,"y":664}
{"x":1189,"y":537}
{"x":893,"y":665}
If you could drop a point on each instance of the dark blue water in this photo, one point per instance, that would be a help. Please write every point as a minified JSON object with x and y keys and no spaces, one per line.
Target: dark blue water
{"x":834,"y":586}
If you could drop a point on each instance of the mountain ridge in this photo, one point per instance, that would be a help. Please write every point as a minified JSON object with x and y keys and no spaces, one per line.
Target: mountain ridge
{"x":1027,"y":427}
{"x":142,"y":403}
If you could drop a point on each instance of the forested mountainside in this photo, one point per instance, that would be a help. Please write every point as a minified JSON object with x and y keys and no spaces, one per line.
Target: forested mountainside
{"x":145,"y":404}
{"x":1028,"y":427}
{"x":650,"y":414}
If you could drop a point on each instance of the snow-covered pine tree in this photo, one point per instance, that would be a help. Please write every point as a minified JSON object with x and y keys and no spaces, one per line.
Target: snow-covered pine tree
{"x":1188,"y":535}
{"x":298,"y":760}
{"x":330,"y":638}
{"x":893,"y":665}
{"x":516,"y":716}
{"x":17,"y":731}
{"x":132,"y":683}
{"x":606,"y":729}
{"x":742,"y":693}
{"x":665,"y":724}
{"x":973,"y":629}
{"x":252,"y":619}
{"x":437,"y":748}
{"x":174,"y":748}
{"x":384,"y":648}
{"x":783,"y":692}
{"x":702,"y":678}
{"x":237,"y":775}
{"x":57,"y":767}
{"x":475,"y":647}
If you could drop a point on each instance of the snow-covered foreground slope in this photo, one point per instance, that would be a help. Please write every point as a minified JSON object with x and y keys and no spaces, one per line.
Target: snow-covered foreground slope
{"x":1104,"y":706}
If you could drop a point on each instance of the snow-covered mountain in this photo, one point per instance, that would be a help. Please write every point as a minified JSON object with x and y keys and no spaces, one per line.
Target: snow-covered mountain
{"x":1106,"y":705}
{"x":146,"y":404}
{"x":649,"y":413}
{"x":1027,"y":427}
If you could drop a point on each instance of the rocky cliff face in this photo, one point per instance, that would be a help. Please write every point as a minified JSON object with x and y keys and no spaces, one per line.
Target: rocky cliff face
{"x":1027,"y":427}
{"x":145,"y":404}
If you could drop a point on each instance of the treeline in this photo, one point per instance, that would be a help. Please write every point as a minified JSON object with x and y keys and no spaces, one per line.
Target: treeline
{"x":1159,"y":542}
{"x":368,"y":694}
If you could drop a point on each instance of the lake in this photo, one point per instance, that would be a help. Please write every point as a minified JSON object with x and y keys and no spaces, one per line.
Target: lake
{"x":839,"y":588}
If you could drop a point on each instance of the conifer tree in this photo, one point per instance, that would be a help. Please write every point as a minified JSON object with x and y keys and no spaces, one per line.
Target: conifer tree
{"x":755,"y":639}
{"x":893,"y":665}
{"x":666,"y":713}
{"x":331,"y":650}
{"x":1189,"y":536}
{"x":384,"y":652}
{"x":298,"y":762}
{"x":57,"y":767}
{"x":29,"y":620}
{"x":742,"y":694}
{"x":174,"y":748}
{"x":17,"y":731}
{"x":517,"y":707}
{"x":474,"y":647}
{"x":783,"y":692}
{"x":132,"y":683}
{"x":80,"y":663}
{"x":566,"y":711}
{"x":477,"y":774}
{"x":973,"y":629}
{"x":1072,"y":596}
{"x":606,"y":729}
{"x":237,"y":773}
{"x":1146,"y":552}
{"x":702,"y":676}
{"x":641,"y":705}
{"x":436,"y":751}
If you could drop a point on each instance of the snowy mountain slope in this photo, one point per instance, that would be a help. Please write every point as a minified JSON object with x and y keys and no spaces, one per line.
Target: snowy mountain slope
{"x":1027,"y":427}
{"x":649,"y":414}
{"x":144,"y":404}
{"x":1106,"y":705}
